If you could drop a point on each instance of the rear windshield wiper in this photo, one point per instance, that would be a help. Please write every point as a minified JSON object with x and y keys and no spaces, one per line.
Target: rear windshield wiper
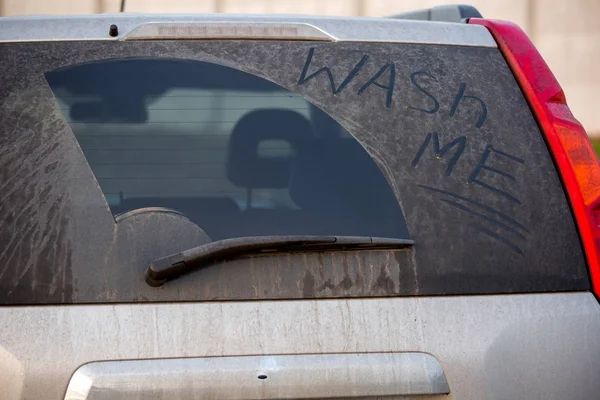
{"x":167,"y":268}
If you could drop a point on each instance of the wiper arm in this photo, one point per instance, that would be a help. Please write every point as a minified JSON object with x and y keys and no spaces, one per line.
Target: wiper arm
{"x":167,"y":268}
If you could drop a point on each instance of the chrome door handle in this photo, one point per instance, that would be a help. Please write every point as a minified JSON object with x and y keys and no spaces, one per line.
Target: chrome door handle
{"x":307,"y":376}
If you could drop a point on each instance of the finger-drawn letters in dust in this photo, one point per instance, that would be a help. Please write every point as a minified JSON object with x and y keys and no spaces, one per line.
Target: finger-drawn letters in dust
{"x":496,"y":224}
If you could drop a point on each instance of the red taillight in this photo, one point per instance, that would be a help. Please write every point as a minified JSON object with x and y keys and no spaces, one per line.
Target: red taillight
{"x":567,"y":140}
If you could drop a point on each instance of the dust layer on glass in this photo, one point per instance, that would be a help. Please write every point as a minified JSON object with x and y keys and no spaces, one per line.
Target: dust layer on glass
{"x":139,"y":151}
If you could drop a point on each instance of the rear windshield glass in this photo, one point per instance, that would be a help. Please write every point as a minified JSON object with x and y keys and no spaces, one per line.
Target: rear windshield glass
{"x":115,"y":154}
{"x":236,"y":154}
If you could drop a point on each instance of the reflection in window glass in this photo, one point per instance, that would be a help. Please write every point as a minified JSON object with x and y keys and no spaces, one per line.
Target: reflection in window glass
{"x":238,"y":155}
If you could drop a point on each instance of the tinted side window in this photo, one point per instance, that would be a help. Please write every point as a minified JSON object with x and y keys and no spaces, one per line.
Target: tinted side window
{"x":236,"y":154}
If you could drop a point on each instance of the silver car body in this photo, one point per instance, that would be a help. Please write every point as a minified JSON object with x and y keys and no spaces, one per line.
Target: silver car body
{"x":530,"y":346}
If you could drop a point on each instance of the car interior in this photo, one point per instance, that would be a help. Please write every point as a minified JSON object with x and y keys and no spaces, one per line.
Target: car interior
{"x":237,"y":154}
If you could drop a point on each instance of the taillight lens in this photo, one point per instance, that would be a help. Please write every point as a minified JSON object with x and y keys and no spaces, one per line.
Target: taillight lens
{"x":568,"y":142}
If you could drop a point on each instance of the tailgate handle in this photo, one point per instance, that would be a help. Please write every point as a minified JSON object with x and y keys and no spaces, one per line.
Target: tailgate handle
{"x":307,"y":376}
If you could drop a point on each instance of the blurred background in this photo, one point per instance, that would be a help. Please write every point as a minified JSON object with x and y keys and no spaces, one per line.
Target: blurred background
{"x":566,"y":32}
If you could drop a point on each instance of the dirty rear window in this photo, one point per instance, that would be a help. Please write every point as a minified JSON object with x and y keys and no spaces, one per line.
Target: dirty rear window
{"x":116,"y":154}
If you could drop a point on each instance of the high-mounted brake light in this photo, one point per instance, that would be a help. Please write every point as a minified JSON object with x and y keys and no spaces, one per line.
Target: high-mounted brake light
{"x":568,"y":142}
{"x":228,"y":30}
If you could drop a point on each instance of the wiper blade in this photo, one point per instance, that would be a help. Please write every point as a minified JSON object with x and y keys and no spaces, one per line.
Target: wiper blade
{"x":167,"y":268}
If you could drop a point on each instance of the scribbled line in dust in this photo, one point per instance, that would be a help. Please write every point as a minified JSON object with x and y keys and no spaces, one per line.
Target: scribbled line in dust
{"x":499,"y":219}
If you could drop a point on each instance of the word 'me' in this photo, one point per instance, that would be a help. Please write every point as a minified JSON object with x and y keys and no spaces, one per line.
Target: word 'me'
{"x":458,"y":147}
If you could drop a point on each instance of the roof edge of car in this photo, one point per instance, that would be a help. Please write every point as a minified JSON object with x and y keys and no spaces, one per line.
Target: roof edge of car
{"x":444,"y":13}
{"x":298,"y":27}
